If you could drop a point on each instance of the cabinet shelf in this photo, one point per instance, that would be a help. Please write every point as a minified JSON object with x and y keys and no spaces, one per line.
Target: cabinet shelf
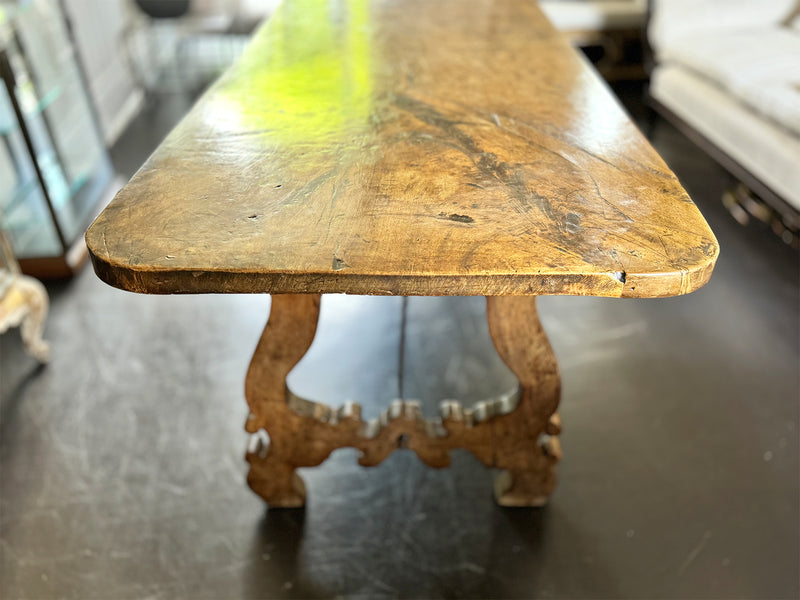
{"x":31,"y":111}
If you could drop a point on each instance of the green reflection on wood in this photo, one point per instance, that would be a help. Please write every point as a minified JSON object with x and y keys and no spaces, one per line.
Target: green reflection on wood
{"x":305,"y":79}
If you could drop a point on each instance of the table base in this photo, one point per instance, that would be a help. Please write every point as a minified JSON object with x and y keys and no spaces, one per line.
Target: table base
{"x":515,"y":432}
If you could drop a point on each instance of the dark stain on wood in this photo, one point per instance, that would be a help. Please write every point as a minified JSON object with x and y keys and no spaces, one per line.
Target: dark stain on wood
{"x":457,"y":218}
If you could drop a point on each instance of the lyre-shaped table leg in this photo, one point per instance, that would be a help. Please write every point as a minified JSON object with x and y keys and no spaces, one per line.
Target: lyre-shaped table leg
{"x":526,"y":445}
{"x":287,"y":337}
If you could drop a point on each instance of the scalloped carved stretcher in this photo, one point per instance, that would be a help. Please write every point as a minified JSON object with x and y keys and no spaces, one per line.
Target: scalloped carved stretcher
{"x":405,"y":148}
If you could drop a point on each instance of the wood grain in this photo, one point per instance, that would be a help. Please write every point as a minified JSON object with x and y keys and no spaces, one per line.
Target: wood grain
{"x":516,"y":432}
{"x":406,"y":147}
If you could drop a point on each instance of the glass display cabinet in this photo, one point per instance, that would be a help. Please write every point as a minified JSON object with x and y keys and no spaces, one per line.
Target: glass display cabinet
{"x":54,"y":168}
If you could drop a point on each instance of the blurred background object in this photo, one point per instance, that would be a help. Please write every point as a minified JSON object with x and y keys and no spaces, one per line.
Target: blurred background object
{"x":173,"y":45}
{"x":23,"y":304}
{"x":727,"y":74}
{"x":54,"y":163}
{"x":609,"y":32}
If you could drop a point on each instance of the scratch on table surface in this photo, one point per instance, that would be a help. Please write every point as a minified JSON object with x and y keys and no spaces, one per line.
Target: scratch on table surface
{"x":466,"y":565}
{"x":105,"y":247}
{"x":373,"y":577}
{"x":695,"y":552}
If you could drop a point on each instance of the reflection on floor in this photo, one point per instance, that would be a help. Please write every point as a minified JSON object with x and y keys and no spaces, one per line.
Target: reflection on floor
{"x":122,"y":461}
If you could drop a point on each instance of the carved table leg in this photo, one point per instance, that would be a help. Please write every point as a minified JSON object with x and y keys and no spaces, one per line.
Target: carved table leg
{"x":287,"y":337}
{"x":526,"y":440}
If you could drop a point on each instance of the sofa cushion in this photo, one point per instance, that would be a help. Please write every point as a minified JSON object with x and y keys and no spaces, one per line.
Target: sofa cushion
{"x":760,"y":67}
{"x":673,"y":21}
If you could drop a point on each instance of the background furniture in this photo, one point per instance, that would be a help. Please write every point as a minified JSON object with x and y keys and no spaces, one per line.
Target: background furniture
{"x":728,"y":75}
{"x":123,"y":52}
{"x":23,"y":304}
{"x":173,"y":46}
{"x":54,"y":166}
{"x":609,"y":32}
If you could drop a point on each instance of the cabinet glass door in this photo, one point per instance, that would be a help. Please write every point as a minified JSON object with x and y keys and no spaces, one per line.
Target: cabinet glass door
{"x":46,"y":117}
{"x":24,"y":214}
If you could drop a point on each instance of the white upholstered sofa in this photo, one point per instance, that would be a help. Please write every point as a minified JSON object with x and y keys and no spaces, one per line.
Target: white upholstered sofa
{"x":727,"y":72}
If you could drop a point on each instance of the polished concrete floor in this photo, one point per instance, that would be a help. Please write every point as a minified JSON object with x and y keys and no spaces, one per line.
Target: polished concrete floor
{"x":123,"y":472}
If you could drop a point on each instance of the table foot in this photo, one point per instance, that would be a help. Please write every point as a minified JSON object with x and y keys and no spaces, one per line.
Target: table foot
{"x":32,"y":326}
{"x":516,"y":432}
{"x":276,"y":481}
{"x":529,"y":488}
{"x":523,"y":489}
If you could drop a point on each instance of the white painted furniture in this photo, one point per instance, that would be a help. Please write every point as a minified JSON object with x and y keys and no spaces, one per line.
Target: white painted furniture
{"x":23,"y":304}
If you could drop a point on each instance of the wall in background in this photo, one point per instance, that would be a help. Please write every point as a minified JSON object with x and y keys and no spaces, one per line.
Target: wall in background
{"x":99,"y":29}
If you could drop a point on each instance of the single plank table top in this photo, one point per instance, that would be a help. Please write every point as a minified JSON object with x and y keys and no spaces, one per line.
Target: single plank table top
{"x":408,"y":147}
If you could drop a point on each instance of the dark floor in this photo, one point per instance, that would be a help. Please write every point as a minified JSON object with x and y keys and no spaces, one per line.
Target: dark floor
{"x":123,"y":472}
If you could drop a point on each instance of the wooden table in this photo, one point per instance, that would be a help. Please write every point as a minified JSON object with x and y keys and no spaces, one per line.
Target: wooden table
{"x":407,"y":148}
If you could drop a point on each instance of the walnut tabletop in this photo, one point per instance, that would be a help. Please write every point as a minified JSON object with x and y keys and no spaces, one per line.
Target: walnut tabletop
{"x":406,"y":147}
